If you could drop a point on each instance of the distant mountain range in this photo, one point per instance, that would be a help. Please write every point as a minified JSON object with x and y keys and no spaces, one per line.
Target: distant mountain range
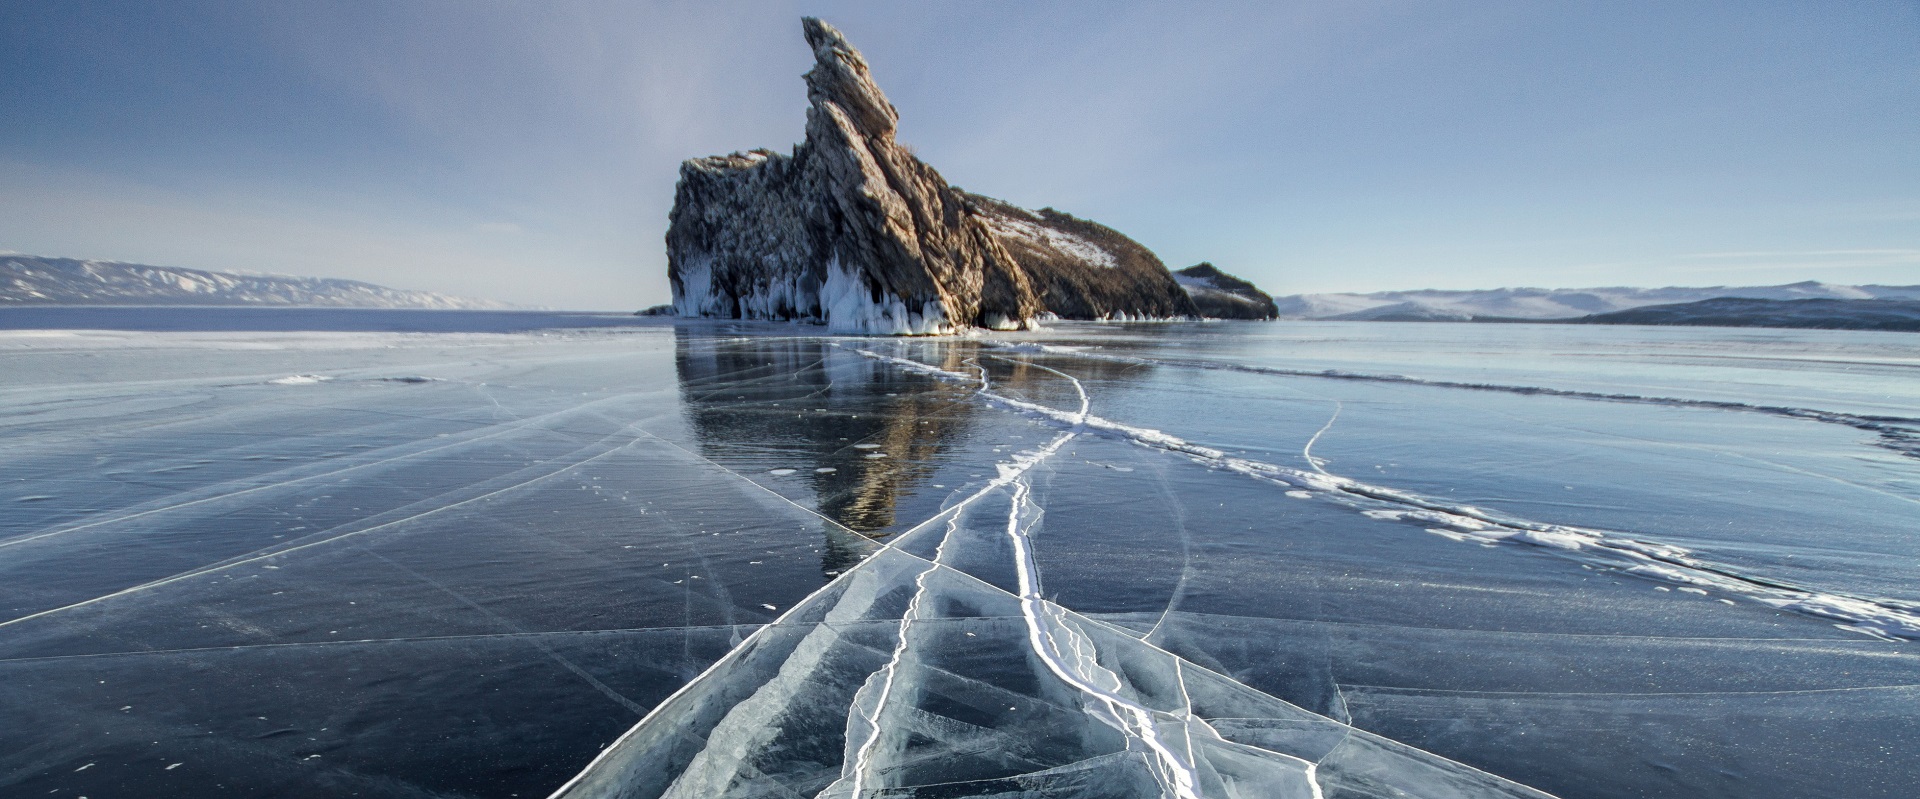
{"x":1432,"y":305}
{"x":42,"y":281}
{"x":1875,"y":314}
{"x":35,"y":280}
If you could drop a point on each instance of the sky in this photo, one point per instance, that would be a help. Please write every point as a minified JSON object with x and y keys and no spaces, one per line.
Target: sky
{"x":527,"y":151}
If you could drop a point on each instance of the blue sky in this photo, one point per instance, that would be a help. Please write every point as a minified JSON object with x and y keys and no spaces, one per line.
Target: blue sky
{"x":527,"y":151}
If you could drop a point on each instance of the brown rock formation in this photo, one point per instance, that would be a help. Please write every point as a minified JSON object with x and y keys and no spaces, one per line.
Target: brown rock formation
{"x":1219,"y":295}
{"x":852,"y":230}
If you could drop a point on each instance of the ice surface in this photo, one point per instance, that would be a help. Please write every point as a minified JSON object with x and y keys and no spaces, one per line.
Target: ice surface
{"x":1102,"y":560}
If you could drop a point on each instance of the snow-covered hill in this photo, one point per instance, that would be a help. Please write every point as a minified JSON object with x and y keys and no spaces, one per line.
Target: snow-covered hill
{"x":1869,"y":314}
{"x":34,"y":280}
{"x":1530,"y":303}
{"x":1218,"y":295}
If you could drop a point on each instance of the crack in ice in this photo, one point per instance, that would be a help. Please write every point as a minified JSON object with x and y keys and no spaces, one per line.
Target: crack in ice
{"x":329,"y":535}
{"x":1663,"y":562}
{"x":1898,"y":433}
{"x":1062,"y":641}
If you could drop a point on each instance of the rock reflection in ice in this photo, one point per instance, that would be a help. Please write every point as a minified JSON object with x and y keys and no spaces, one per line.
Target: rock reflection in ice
{"x":930,"y":682}
{"x":1103,"y":562}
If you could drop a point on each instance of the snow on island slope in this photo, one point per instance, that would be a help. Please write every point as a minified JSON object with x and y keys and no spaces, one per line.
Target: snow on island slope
{"x":1037,"y":235}
{"x":1219,"y":295}
{"x":34,"y":280}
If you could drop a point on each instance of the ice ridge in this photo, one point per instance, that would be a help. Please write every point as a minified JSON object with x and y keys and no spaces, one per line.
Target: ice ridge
{"x":1070,"y":661}
{"x":1897,"y":433}
{"x":887,"y":644}
{"x":1601,"y":548}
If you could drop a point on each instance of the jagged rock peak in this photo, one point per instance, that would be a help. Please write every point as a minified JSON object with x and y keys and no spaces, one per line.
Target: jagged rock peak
{"x":855,"y":232}
{"x":840,"y":76}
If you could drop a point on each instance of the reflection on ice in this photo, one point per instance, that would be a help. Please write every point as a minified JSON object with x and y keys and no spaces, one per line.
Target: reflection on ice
{"x":1890,"y":619}
{"x":952,"y":623}
{"x":1089,"y":710}
{"x":865,"y":436}
{"x":731,"y":560}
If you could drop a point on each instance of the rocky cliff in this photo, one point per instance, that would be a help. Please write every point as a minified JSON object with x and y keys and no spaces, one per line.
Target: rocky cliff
{"x":1083,"y":269}
{"x":1218,"y":295}
{"x":853,"y":231}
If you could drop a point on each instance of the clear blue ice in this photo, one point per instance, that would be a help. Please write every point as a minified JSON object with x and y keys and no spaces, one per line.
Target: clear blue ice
{"x":1182,"y":560}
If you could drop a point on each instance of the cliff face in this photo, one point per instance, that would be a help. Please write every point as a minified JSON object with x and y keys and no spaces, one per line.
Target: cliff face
{"x":1083,"y":269}
{"x":853,"y":231}
{"x":1219,"y":295}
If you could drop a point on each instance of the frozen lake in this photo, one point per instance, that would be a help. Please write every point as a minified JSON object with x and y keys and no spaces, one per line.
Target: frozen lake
{"x":395,"y":554}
